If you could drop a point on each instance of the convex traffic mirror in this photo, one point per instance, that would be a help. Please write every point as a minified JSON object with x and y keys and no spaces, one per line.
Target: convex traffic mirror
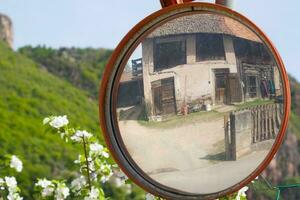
{"x":194,"y":102}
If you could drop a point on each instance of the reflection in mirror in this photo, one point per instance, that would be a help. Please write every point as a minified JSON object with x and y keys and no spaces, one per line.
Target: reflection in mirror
{"x":200,"y":103}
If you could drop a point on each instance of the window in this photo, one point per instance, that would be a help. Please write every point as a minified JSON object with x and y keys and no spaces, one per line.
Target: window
{"x":251,"y":52}
{"x":252,"y":86}
{"x":209,"y":47}
{"x":169,"y":54}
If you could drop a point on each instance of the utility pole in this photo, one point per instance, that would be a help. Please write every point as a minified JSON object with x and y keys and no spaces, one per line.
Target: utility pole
{"x":227,"y":3}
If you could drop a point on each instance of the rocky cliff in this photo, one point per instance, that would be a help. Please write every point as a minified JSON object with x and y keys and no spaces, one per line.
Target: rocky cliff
{"x":6,"y":30}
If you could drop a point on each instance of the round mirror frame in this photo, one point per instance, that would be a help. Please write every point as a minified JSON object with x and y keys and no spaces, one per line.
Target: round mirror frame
{"x":109,"y":90}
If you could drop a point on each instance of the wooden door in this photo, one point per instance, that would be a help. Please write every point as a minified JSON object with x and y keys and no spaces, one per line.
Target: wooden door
{"x":234,"y":90}
{"x":163,"y":92}
{"x":220,"y":85}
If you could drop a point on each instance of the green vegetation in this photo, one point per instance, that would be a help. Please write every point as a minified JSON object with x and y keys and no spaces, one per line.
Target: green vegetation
{"x":28,"y":94}
{"x":37,"y":82}
{"x":81,"y":67}
{"x":294,"y":124}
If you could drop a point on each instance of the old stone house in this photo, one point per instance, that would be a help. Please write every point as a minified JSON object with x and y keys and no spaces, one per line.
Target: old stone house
{"x":205,"y":59}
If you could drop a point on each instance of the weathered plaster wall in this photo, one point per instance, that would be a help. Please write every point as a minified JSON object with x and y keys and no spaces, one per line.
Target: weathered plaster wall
{"x":277,"y":81}
{"x":192,"y":80}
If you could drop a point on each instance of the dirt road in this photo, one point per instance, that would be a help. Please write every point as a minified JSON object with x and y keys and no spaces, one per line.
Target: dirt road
{"x":179,"y":156}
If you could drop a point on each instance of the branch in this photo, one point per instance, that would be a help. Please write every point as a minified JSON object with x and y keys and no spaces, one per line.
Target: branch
{"x":87,"y":163}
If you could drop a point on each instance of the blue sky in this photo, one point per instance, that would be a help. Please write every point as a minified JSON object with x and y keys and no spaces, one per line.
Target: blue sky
{"x":101,"y":23}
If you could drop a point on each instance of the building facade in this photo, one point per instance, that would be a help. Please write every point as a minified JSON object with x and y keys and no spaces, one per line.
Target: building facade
{"x":203,"y":60}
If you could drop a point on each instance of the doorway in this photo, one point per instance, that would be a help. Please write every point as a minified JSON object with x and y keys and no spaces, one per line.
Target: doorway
{"x":221,"y":76}
{"x":163,"y":92}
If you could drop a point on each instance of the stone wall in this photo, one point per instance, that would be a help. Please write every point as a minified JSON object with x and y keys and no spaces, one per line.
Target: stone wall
{"x":6,"y":30}
{"x":251,"y":129}
{"x":238,"y":137}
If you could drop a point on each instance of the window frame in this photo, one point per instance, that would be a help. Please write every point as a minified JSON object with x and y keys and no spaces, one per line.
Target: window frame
{"x":199,"y":53}
{"x":175,"y":39}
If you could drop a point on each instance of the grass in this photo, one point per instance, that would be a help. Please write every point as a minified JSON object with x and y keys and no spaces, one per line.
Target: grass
{"x":179,"y":120}
{"x":254,"y":103}
{"x":203,"y":116}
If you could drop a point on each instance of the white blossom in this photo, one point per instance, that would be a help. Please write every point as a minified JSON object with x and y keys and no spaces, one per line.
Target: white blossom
{"x":150,"y":196}
{"x":242,"y":193}
{"x":48,"y":191}
{"x":105,"y":154}
{"x":253,"y":181}
{"x":46,"y":120}
{"x":78,"y":183}
{"x":120,"y":178}
{"x":11,"y":183}
{"x":16,"y":163}
{"x":96,"y":148}
{"x":58,"y":122}
{"x":14,"y":196}
{"x":105,"y":178}
{"x":79,"y":135}
{"x":93,"y":195}
{"x":44,"y":183}
{"x":61,"y":192}
{"x":48,"y":187}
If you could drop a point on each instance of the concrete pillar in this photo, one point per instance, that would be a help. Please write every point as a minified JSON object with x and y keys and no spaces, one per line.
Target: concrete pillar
{"x":148,"y":66}
{"x":191,"y":49}
{"x":229,"y":52}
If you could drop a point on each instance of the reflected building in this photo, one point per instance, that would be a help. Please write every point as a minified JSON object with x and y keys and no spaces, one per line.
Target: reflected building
{"x":204,"y":60}
{"x":189,"y":66}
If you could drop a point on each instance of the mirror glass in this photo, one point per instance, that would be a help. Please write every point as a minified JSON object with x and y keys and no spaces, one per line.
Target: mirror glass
{"x":200,"y":103}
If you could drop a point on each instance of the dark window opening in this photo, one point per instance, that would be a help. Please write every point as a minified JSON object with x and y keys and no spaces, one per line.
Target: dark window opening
{"x":251,"y":52}
{"x":210,"y":47}
{"x":252,"y":86}
{"x":169,"y":54}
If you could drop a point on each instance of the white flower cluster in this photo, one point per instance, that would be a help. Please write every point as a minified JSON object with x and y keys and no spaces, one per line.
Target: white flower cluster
{"x":150,"y":196}
{"x":98,"y":150}
{"x":119,"y":178}
{"x":93,"y":194}
{"x":242,"y":193}
{"x":16,"y":163}
{"x":80,"y":135}
{"x":94,"y":165}
{"x":57,"y":121}
{"x":48,"y":189}
{"x":78,"y":183}
{"x":10,"y":183}
{"x":62,"y":191}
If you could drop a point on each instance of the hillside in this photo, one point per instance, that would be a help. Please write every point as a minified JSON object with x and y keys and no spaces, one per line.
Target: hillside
{"x":83,"y":68}
{"x":40,"y":81}
{"x":28,"y":94}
